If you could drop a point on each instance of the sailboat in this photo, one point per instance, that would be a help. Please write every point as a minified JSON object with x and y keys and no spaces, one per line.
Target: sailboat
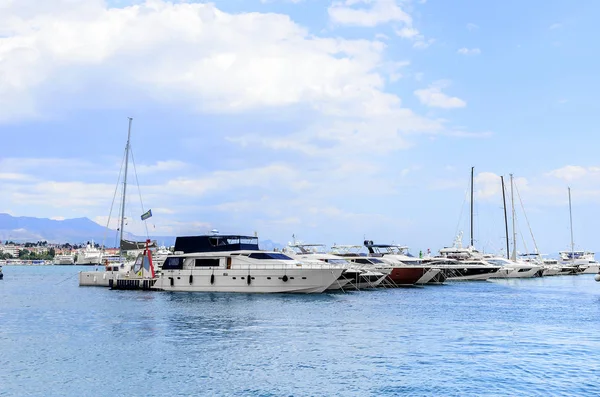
{"x":125,"y":274}
{"x":512,"y":267}
{"x":580,"y":261}
{"x":460,"y":263}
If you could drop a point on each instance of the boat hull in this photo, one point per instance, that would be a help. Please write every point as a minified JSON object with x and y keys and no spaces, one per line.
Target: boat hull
{"x":508,"y":272}
{"x":590,"y":269}
{"x":406,"y":276}
{"x":96,"y":278}
{"x":237,"y":280}
{"x":459,"y":273}
{"x":431,"y":276}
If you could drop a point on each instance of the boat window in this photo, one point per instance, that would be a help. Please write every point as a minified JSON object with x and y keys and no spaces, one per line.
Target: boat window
{"x":173,"y":263}
{"x":337,"y":261}
{"x":204,"y":262}
{"x":210,"y":262}
{"x":363,"y":261}
{"x":269,"y":255}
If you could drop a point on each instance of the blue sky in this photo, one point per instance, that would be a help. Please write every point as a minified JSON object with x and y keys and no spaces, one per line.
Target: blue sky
{"x":330,"y":120}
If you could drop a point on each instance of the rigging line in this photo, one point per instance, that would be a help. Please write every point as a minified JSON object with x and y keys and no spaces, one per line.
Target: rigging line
{"x":522,"y":237}
{"x":528,"y":224}
{"x":462,"y":210}
{"x":113,"y":201}
{"x":139,"y":191}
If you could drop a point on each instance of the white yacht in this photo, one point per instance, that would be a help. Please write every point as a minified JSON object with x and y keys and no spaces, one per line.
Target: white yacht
{"x":513,"y":269}
{"x":463,"y":263}
{"x":314,"y":253}
{"x":89,"y":256}
{"x":407,"y":270}
{"x":160,"y":255}
{"x":584,"y":261}
{"x":234,"y":263}
{"x":372,"y":272}
{"x":64,"y":259}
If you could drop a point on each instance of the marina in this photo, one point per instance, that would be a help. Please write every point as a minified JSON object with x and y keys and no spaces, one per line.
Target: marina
{"x":498,"y":337}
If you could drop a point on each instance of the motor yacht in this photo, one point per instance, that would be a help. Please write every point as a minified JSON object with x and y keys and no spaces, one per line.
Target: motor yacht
{"x":352,"y":276}
{"x":462,"y":263}
{"x":64,"y":259}
{"x":234,"y":263}
{"x":89,"y":256}
{"x":584,"y":261}
{"x":513,"y":269}
{"x":405,"y":267}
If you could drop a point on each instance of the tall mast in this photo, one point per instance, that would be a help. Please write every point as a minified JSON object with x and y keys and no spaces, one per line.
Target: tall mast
{"x":512,"y":194}
{"x":124,"y":188}
{"x":505,"y":219}
{"x":472,"y":170}
{"x":571,"y":223}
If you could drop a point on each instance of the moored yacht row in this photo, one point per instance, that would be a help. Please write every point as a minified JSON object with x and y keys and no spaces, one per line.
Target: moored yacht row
{"x":234,"y":263}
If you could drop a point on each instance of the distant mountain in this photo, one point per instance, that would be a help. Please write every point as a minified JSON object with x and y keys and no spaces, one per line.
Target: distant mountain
{"x":75,"y":231}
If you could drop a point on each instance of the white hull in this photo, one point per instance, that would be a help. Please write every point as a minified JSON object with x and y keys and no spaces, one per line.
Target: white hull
{"x":365,"y":284}
{"x":236,"y":280}
{"x":477,"y":277}
{"x":96,"y":279}
{"x":551,"y":271}
{"x":89,"y":261}
{"x":508,"y":272}
{"x":590,"y":269}
{"x":428,"y":276}
{"x":338,"y":285}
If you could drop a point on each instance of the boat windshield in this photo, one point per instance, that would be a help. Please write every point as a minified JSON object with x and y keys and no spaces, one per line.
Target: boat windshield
{"x":269,"y":255}
{"x":336,"y":261}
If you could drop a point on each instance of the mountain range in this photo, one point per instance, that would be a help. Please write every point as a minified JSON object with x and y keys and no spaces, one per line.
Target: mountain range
{"x":23,"y":229}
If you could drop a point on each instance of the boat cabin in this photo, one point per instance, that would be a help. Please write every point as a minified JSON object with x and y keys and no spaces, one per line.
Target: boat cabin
{"x":215,"y":243}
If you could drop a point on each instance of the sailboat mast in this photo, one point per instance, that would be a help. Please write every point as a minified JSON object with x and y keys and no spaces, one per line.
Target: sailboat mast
{"x":472,"y":171}
{"x":124,"y":187}
{"x":571,"y":223}
{"x":505,"y":218}
{"x":512,"y":194}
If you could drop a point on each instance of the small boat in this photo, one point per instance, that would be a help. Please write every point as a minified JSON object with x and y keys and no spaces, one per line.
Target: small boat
{"x":118,"y":272}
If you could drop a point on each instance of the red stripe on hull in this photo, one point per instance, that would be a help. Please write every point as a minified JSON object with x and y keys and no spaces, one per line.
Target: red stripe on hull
{"x":406,"y":275}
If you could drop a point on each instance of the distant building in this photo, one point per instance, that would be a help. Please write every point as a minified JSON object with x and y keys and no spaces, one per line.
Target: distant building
{"x":13,"y":250}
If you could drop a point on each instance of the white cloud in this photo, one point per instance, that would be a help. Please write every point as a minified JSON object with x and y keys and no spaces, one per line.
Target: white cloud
{"x":469,"y":51}
{"x":160,"y":166}
{"x":371,"y":13}
{"x":570,"y":173}
{"x":472,"y":26}
{"x":407,"y":33}
{"x":185,"y":53}
{"x":422,"y":44}
{"x":434,"y":97}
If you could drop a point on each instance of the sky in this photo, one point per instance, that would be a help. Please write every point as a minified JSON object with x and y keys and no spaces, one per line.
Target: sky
{"x":331,"y":121}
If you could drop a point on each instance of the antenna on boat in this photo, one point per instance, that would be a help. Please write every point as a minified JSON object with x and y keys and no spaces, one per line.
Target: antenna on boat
{"x":505,"y":218}
{"x":472,"y":171}
{"x":124,"y":188}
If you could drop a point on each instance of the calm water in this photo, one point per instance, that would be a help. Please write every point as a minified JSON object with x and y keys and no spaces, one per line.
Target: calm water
{"x":521,"y":337}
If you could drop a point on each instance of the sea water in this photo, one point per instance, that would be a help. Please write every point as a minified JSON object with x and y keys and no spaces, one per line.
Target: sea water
{"x":498,"y":338}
